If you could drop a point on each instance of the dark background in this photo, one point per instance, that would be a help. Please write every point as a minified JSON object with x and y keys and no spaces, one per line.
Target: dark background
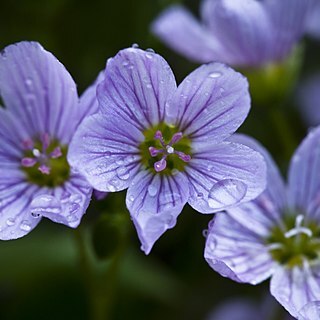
{"x":41,"y":275}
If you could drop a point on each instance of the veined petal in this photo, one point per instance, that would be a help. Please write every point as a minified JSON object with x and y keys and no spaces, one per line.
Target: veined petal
{"x":16,"y":219}
{"x":243,"y":29}
{"x":310,"y":311}
{"x":304,"y":176}
{"x":88,"y":101}
{"x":38,"y":90}
{"x":223,"y":175}
{"x":66,"y":204}
{"x":296,"y":287}
{"x":154,"y":202}
{"x":288,"y":25}
{"x":210,"y":104}
{"x":237,"y":252}
{"x":267,"y":210}
{"x":105,"y":150}
{"x":183,"y":33}
{"x":136,"y":88}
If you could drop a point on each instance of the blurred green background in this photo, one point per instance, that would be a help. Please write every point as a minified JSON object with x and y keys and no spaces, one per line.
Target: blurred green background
{"x":56,"y":272}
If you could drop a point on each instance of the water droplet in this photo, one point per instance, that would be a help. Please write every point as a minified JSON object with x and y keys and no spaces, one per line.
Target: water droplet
{"x":135,"y":46}
{"x":205,"y":233}
{"x":149,"y":55}
{"x":150,"y":50}
{"x":107,"y":154}
{"x":11,"y":222}
{"x":212,"y":243}
{"x":77,"y":198}
{"x":226,"y":193}
{"x":149,"y":86}
{"x":123,"y":173}
{"x":125,"y":63}
{"x":74,"y":208}
{"x":119,"y":162}
{"x":200,"y":195}
{"x":152,"y":190}
{"x":43,"y":204}
{"x":214,"y":75}
{"x":131,"y":198}
{"x":29,"y":82}
{"x":35,"y":215}
{"x":25,"y":226}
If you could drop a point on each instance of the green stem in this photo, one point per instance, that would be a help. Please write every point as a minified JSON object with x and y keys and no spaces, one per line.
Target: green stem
{"x":100,"y":277}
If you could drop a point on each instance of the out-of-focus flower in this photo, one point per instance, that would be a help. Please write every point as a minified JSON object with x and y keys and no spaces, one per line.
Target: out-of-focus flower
{"x":246,"y":309}
{"x":277,"y":234}
{"x":247,"y":33}
{"x":309,"y":100}
{"x":40,"y":115}
{"x":313,"y":21}
{"x":167,"y":145}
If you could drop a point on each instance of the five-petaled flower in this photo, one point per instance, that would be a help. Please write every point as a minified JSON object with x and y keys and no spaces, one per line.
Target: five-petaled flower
{"x":42,"y":111}
{"x":242,"y":32}
{"x":168,"y":145}
{"x":277,"y":234}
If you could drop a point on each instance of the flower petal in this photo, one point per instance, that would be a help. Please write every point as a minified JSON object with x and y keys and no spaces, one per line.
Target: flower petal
{"x":105,"y":151}
{"x":223,"y":175}
{"x":237,"y":252}
{"x":154,"y":202}
{"x":210,"y":104}
{"x":183,"y":33}
{"x":242,"y":27}
{"x":38,"y":90}
{"x":66,"y":204}
{"x":16,"y":219}
{"x":310,"y":311}
{"x":266,"y":210}
{"x":88,"y":101}
{"x":296,"y":287}
{"x":136,"y":87}
{"x":304,"y":176}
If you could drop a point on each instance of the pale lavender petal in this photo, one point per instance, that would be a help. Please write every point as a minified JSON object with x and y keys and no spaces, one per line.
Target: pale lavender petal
{"x":88,"y":101}
{"x":310,"y":311}
{"x":288,"y":20}
{"x":223,"y":175}
{"x":154,"y":202}
{"x":183,"y":33}
{"x":309,"y":97}
{"x":304,"y":176}
{"x":105,"y":151}
{"x":210,"y":104}
{"x":242,"y":28}
{"x":38,"y":90}
{"x":237,"y":252}
{"x":313,"y":21}
{"x":16,"y":219}
{"x":136,"y":88}
{"x":66,"y":204}
{"x":295,"y":287}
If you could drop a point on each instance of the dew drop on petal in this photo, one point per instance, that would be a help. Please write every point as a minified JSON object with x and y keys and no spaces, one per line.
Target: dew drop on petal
{"x":25,"y":226}
{"x":123,"y":173}
{"x":212,"y":243}
{"x":214,"y":75}
{"x":135,"y":46}
{"x":152,"y":190}
{"x":74,"y":208}
{"x":205,"y":233}
{"x":77,"y":198}
{"x":45,"y":204}
{"x":226,"y":193}
{"x":11,"y":222}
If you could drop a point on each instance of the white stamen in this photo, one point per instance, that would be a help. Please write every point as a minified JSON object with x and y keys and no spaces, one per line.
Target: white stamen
{"x":36,"y":153}
{"x":170,"y":149}
{"x":298,"y":229}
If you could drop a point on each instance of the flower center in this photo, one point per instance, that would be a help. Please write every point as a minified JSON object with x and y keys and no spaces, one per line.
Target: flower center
{"x":162,"y":156}
{"x":45,"y":162}
{"x":295,"y":244}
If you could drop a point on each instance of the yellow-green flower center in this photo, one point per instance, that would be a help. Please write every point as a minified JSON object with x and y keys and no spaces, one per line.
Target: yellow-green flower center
{"x":165,"y":149}
{"x":44,"y":162}
{"x":296,"y":242}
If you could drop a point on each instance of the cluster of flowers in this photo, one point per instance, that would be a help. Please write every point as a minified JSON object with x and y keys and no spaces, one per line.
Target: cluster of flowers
{"x":169,"y":145}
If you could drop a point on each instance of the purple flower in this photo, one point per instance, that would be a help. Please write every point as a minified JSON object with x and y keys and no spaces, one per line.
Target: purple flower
{"x":168,"y":145}
{"x":309,"y":97}
{"x":311,"y":311}
{"x":246,"y":309}
{"x":313,"y":21}
{"x":242,"y":32}
{"x":42,"y":111}
{"x":277,"y":234}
